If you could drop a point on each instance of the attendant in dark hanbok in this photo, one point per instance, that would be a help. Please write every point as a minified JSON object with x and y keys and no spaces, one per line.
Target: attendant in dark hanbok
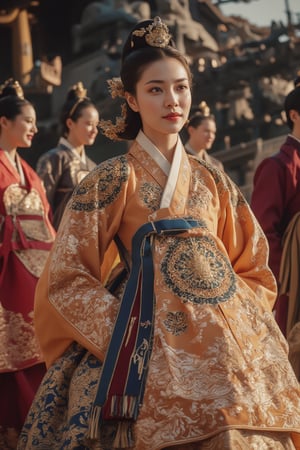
{"x":64,"y":166}
{"x":26,"y":236}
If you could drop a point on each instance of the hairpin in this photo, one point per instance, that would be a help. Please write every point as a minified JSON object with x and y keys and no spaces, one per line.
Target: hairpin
{"x":156,"y":34}
{"x":80,"y":92}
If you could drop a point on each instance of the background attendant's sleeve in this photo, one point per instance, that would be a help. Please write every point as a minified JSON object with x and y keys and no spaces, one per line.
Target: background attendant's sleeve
{"x":268,"y":203}
{"x":244,"y":241}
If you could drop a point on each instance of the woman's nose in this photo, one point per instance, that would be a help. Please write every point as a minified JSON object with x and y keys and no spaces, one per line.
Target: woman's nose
{"x":171,"y":99}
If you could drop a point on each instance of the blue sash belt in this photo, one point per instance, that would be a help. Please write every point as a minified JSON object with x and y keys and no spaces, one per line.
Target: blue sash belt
{"x":124,"y":372}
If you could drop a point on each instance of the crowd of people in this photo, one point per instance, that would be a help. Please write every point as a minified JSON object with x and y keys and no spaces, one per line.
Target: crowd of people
{"x":139,"y":296}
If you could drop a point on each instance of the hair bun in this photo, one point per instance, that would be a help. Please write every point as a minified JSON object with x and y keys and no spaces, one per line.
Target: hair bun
{"x":11,"y":87}
{"x":149,"y":33}
{"x":77,"y":91}
{"x":204,"y":109}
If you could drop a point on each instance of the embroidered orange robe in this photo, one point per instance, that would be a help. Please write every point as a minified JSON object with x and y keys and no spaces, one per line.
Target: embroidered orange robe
{"x":219,"y":360}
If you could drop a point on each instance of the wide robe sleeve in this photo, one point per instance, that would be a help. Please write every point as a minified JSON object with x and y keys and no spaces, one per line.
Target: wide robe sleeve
{"x":71,"y":303}
{"x":244,"y":240}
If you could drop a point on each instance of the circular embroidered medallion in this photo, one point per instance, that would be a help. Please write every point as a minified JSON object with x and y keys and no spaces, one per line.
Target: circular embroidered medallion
{"x":197,"y":271}
{"x":108,"y":177}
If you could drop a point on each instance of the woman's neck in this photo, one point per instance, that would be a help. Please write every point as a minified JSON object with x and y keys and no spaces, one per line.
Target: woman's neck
{"x":165,"y":143}
{"x":4,"y":145}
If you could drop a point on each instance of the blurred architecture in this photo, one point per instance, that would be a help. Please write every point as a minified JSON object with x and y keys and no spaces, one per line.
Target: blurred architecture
{"x":242,"y":71}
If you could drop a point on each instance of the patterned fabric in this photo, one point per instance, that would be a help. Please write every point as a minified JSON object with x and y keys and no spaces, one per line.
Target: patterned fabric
{"x":61,"y":169}
{"x":241,"y":440}
{"x":26,"y":237}
{"x":218,"y":360}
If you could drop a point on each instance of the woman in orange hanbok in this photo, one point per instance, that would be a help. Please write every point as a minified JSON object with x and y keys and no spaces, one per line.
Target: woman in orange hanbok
{"x":26,"y":236}
{"x":180,"y":348}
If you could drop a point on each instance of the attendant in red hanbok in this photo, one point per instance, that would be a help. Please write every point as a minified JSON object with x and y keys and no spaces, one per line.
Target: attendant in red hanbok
{"x":26,"y":236}
{"x":276,"y":194}
{"x":64,"y":166}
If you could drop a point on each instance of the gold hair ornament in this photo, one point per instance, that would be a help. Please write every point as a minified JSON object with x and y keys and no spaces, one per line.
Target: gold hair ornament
{"x":110,"y":130}
{"x":15,"y":85}
{"x":204,"y":108}
{"x":156,"y":35}
{"x":116,"y":88}
{"x":80,"y":92}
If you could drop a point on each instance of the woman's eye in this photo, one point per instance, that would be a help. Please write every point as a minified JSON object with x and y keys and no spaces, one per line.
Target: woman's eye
{"x":183,"y":87}
{"x":155,"y":89}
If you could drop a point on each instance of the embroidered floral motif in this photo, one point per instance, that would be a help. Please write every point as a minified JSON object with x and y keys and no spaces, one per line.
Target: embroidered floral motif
{"x":19,"y":344}
{"x":176,"y":323}
{"x":196,"y":271}
{"x":150,"y":194}
{"x":76,"y":371}
{"x":109,"y":177}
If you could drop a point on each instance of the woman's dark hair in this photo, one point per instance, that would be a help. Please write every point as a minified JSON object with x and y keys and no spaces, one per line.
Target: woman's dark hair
{"x":292,"y":101}
{"x":75,"y":103}
{"x":136,"y":56}
{"x":11,"y":100}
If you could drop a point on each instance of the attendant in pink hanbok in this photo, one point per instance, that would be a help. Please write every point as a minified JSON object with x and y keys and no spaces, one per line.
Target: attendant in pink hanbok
{"x":179,"y":349}
{"x":26,"y":236}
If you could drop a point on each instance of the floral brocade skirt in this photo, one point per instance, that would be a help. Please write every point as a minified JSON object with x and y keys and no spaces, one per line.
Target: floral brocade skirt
{"x":59,"y":416}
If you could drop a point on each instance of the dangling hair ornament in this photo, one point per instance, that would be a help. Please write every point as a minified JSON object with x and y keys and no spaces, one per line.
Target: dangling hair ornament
{"x":80,"y":93}
{"x":14,"y":86}
{"x":116,"y":87}
{"x":204,"y":109}
{"x":110,"y":130}
{"x":156,"y":35}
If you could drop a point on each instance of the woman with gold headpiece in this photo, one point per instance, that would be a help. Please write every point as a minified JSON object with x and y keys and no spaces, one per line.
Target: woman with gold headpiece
{"x":25,"y":240}
{"x":64,"y":166}
{"x":202,"y":129}
{"x":183,"y":352}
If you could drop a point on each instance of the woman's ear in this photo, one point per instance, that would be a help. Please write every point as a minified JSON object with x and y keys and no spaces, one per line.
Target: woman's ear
{"x":132,"y":103}
{"x":294,"y":115}
{"x":69,"y":123}
{"x":3,"y":121}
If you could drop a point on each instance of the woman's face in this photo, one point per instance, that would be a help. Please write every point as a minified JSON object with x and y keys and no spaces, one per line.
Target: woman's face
{"x":22,"y":128}
{"x":163,"y":98}
{"x":203,"y":136}
{"x":85,"y":129}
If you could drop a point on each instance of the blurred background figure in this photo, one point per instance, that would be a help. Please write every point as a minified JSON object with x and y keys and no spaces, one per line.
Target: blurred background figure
{"x":201,"y":130}
{"x":26,"y":236}
{"x":276,"y":194}
{"x":64,"y":166}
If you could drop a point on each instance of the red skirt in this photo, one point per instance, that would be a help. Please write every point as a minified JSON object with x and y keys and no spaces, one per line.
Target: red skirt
{"x":17,"y":391}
